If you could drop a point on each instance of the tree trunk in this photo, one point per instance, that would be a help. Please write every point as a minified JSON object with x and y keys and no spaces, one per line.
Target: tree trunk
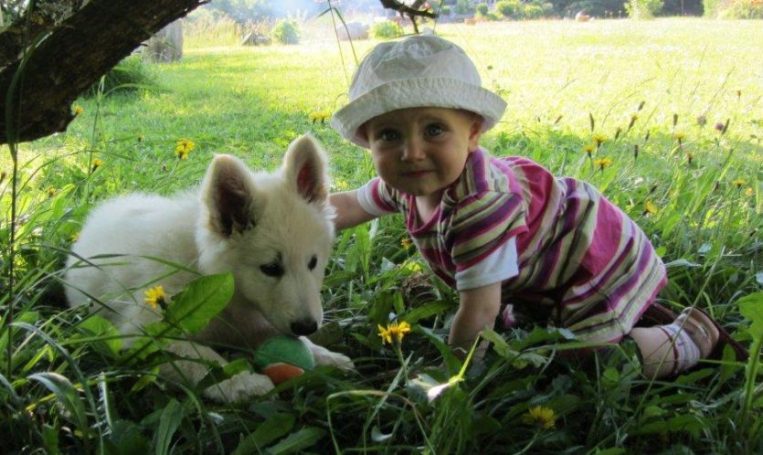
{"x":166,"y":46}
{"x":38,"y":87}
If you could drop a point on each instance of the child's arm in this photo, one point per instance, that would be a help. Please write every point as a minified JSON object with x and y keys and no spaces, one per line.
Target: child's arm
{"x":349,"y":213}
{"x":477,"y":310}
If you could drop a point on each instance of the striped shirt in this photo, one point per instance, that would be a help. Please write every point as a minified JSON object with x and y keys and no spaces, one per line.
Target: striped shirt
{"x":570,"y":257}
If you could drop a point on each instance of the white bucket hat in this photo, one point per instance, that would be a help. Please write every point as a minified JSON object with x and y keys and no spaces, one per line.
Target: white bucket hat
{"x":419,"y":71}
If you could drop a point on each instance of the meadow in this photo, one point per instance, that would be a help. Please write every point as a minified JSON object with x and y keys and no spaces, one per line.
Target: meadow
{"x":664,"y":116}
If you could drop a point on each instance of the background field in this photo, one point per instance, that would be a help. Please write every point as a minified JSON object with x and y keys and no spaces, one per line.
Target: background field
{"x":676,"y":105}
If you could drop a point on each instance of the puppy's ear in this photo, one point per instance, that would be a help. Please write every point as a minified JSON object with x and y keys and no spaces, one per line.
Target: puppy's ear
{"x":304,"y":167}
{"x":228,"y":195}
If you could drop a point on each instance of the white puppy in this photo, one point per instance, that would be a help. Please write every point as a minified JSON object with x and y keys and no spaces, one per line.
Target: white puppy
{"x":272,"y":231}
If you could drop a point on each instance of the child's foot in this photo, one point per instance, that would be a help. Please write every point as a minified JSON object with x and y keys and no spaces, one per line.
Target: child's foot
{"x":701,"y":328}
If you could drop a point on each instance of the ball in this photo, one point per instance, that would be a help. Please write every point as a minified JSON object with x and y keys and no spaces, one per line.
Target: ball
{"x":284,"y":349}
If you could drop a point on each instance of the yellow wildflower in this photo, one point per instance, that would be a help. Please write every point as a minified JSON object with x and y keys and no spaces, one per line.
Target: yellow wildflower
{"x":599,"y":139}
{"x":341,"y":184}
{"x":739,"y":183}
{"x":603,"y":163}
{"x":319,"y":116}
{"x":540,"y":416}
{"x":749,"y":192}
{"x":650,"y":208}
{"x":97,"y":163}
{"x":679,"y":136}
{"x":394,"y":331}
{"x":183,"y":148}
{"x":78,"y":109}
{"x":589,"y":149}
{"x":156,"y":297}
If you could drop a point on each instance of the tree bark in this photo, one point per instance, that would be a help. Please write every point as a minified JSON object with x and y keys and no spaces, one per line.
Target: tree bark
{"x":38,"y":87}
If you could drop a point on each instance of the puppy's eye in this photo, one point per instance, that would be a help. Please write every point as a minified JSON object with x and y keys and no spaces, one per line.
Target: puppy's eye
{"x":273,"y":269}
{"x":313,"y":262}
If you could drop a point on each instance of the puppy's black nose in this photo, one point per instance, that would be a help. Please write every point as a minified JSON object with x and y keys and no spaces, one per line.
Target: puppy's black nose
{"x":304,"y":327}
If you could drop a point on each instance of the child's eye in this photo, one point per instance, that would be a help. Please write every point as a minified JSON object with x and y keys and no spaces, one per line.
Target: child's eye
{"x":388,"y":135}
{"x":434,"y":130}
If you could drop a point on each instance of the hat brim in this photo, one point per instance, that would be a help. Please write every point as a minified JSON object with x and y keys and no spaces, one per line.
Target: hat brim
{"x":408,"y":93}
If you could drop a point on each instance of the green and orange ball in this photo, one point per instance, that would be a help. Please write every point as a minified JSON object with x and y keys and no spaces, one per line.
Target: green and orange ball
{"x":283,"y":357}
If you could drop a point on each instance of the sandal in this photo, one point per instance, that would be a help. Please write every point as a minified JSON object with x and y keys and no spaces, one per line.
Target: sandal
{"x":658,"y":314}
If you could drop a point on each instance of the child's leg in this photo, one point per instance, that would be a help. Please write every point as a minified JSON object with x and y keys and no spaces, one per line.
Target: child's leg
{"x":667,"y":350}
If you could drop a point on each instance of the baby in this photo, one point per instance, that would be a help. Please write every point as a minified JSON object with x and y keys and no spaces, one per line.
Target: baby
{"x":501,"y":230}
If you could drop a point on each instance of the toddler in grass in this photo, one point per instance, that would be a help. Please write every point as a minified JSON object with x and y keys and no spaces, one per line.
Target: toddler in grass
{"x":501,"y":230}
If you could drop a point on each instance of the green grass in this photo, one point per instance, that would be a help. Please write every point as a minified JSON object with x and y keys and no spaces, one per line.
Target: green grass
{"x":66,"y":388}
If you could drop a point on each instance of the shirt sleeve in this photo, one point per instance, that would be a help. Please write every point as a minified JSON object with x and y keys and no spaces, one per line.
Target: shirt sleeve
{"x":482,"y":224}
{"x":377,"y":198}
{"x":500,"y":265}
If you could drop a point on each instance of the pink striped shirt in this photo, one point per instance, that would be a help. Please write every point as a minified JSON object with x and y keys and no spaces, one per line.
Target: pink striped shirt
{"x":582,"y":263}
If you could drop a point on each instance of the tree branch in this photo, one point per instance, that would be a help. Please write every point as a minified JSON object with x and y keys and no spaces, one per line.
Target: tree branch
{"x":70,"y":56}
{"x":405,"y":9}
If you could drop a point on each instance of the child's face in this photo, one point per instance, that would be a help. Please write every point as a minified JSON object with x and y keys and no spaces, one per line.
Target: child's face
{"x":421,"y":151}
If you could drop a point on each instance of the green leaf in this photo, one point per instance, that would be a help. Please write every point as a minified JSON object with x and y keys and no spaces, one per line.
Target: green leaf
{"x":100,"y":327}
{"x":276,"y":426}
{"x":678,"y":424}
{"x":427,"y":310}
{"x":50,"y":439}
{"x":611,"y":451}
{"x":172,"y":415}
{"x":126,"y":439}
{"x":200,"y":301}
{"x":66,"y":394}
{"x":302,"y":439}
{"x":451,"y":361}
{"x":499,"y":344}
{"x":751,"y":307}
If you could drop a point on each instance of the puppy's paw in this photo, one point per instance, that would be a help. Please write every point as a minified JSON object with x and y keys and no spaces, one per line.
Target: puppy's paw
{"x":324,"y":356}
{"x":239,"y":387}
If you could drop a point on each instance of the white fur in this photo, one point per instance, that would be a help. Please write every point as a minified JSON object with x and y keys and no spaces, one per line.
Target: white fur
{"x":238,"y":222}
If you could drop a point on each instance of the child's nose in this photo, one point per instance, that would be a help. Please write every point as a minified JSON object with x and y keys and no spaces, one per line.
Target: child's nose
{"x":413,"y":150}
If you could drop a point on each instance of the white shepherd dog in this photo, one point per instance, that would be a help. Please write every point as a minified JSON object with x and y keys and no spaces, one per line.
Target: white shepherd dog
{"x":272,"y":231}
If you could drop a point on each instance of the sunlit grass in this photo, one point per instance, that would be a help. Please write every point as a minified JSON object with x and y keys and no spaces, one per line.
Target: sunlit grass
{"x":664,"y":116}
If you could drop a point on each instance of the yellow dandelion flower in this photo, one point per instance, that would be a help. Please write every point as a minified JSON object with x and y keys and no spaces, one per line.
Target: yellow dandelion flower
{"x":406,"y":243}
{"x":341,"y":184}
{"x":540,"y":416}
{"x":739,"y":183}
{"x":97,"y":163}
{"x":603,"y":163}
{"x":183,"y":148}
{"x":589,"y":149}
{"x":319,"y":116}
{"x":155,"y":297}
{"x":78,"y":109}
{"x":599,"y":139}
{"x":679,"y":136}
{"x":394,"y":331}
{"x":650,"y":208}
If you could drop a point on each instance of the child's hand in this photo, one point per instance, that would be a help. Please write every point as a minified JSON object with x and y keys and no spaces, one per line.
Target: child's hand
{"x":477,"y":310}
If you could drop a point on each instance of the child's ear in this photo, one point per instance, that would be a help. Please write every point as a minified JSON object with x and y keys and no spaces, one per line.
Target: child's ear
{"x":475,"y":132}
